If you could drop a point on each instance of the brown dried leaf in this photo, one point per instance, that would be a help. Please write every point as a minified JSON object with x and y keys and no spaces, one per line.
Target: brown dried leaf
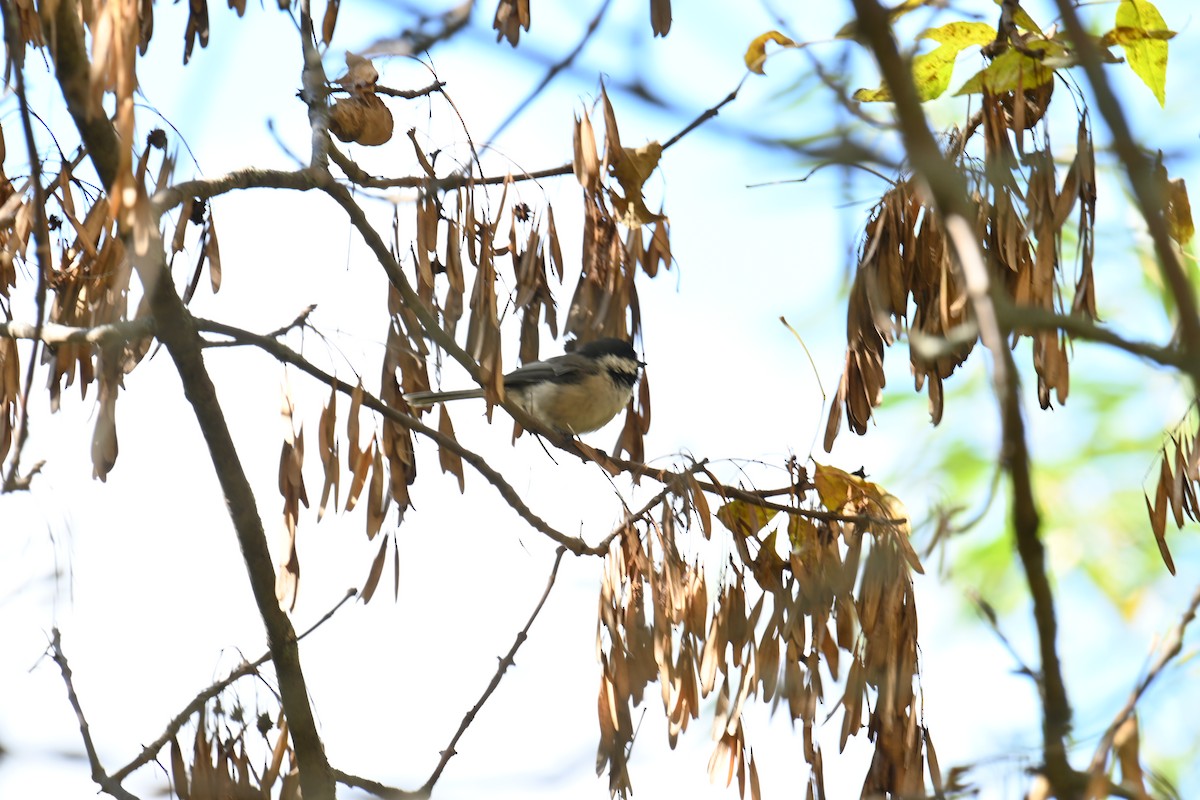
{"x":213,"y":252}
{"x":700,"y":503}
{"x":179,"y":777}
{"x":197,"y":26}
{"x":1175,"y":489}
{"x":361,"y":468}
{"x":185,"y":216}
{"x":556,"y":256}
{"x":450,"y":461}
{"x":368,"y":590}
{"x":330,"y":21}
{"x":660,"y":17}
{"x":511,"y":17}
{"x":1158,"y":524}
{"x":277,"y":753}
{"x":586,"y":163}
{"x":375,"y":505}
{"x":356,"y":400}
{"x":330,"y":457}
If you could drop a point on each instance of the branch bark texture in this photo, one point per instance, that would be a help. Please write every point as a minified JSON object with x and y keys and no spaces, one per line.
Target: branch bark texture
{"x":949,"y":191}
{"x":177,"y":331}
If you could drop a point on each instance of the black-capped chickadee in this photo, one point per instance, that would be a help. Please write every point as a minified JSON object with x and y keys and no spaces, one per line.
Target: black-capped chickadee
{"x":573,"y":393}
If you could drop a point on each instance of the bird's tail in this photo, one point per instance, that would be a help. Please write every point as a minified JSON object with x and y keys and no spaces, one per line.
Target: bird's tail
{"x":425,"y":399}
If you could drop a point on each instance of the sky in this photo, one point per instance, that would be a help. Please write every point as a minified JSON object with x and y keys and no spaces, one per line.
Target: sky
{"x":143,"y":576}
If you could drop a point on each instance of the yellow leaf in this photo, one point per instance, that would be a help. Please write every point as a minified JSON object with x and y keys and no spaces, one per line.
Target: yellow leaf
{"x":1023,"y":19}
{"x":1013,"y":68}
{"x":932,"y":71}
{"x":744,"y":519}
{"x":1145,"y":47}
{"x":756,"y":53}
{"x":833,"y":486}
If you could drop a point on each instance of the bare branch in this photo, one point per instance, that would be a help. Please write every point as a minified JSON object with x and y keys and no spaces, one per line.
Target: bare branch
{"x":376,"y":788}
{"x":552,"y":73}
{"x":150,"y":751}
{"x":949,"y":192}
{"x":286,"y":354}
{"x":505,"y":663}
{"x":1168,"y":650}
{"x":249,"y":178}
{"x":109,"y":785}
{"x":54,"y":334}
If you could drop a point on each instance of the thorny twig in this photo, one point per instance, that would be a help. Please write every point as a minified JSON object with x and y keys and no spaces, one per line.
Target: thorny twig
{"x":150,"y":751}
{"x":505,"y":662}
{"x":108,"y":784}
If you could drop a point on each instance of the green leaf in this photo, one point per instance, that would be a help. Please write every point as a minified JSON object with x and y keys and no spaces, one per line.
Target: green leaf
{"x":1012,"y":68}
{"x":1142,"y":32}
{"x":931,"y":71}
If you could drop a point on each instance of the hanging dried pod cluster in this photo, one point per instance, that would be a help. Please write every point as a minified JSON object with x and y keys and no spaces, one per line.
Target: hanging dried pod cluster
{"x":908,"y":282}
{"x":89,"y":286}
{"x":799,"y":595}
{"x":220,"y":765}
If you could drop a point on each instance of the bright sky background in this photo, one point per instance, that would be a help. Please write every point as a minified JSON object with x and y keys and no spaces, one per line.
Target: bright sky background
{"x":143,"y":576}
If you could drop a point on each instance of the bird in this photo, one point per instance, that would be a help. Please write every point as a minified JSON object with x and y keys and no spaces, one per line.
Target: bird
{"x":577,"y":392}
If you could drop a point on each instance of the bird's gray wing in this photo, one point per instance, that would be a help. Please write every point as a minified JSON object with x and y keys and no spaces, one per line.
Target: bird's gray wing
{"x":540,"y":371}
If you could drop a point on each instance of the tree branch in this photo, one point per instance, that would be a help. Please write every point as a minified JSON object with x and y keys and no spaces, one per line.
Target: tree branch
{"x":107,"y":784}
{"x":176,"y":330}
{"x":150,"y":751}
{"x":951,"y":199}
{"x":287,"y":355}
{"x":505,"y":663}
{"x":555,"y":68}
{"x":1168,"y":650}
{"x":54,"y":334}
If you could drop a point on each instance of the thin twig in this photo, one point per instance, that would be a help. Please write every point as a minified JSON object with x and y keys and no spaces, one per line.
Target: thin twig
{"x":286,"y":354}
{"x":376,"y":788}
{"x":949,"y":191}
{"x":41,"y":239}
{"x":707,"y":114}
{"x":150,"y":751}
{"x":505,"y":663}
{"x":1168,"y":650}
{"x":989,"y":613}
{"x":552,"y":73}
{"x":107,"y":784}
